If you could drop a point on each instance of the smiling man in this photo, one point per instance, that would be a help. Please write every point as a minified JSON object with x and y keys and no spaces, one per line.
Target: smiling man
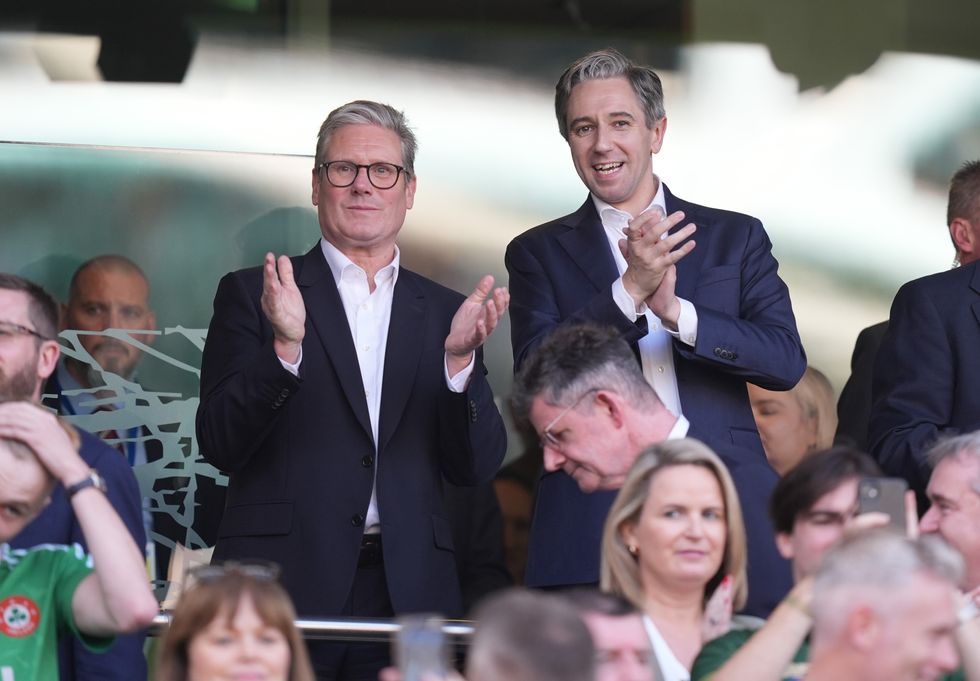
{"x":584,"y":395}
{"x":338,"y":389}
{"x":694,"y":290}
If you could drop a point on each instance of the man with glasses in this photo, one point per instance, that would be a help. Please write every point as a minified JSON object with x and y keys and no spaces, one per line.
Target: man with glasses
{"x":28,"y":356}
{"x":338,"y":388}
{"x":585,"y":396}
{"x":695,"y":290}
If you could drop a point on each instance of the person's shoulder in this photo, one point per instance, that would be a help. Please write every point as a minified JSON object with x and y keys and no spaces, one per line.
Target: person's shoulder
{"x":98,"y":455}
{"x":551,"y":228}
{"x":36,"y":558}
{"x":429,"y":287}
{"x":696,"y":212}
{"x":964,"y":275}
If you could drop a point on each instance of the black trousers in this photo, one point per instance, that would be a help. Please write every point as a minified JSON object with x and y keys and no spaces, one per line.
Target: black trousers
{"x":342,"y":661}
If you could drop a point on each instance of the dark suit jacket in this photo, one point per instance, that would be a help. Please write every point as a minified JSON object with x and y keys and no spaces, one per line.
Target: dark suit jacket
{"x":854,"y":403}
{"x":561,"y":272}
{"x":300,"y":454}
{"x":57,"y":524}
{"x":926,"y":373}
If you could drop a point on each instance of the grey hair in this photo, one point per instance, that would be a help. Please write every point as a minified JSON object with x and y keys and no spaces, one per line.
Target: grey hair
{"x":529,"y":636}
{"x":365,"y":112}
{"x":961,"y":447}
{"x":577,"y":358}
{"x":610,"y":63}
{"x":870,"y":568}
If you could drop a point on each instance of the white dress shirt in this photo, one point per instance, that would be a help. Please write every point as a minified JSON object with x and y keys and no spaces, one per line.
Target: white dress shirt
{"x":368,"y":315}
{"x":656,"y":354}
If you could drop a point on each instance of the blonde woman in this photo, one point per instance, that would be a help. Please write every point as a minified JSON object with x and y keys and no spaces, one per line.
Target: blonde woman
{"x":673,"y":539}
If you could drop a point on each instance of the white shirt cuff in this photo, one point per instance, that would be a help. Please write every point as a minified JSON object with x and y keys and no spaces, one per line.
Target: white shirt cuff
{"x":458,"y":382}
{"x":292,"y":368}
{"x":687,"y":324}
{"x":624,"y":301}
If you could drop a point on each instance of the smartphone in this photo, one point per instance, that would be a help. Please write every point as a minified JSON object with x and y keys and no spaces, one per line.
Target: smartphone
{"x":884,"y":495}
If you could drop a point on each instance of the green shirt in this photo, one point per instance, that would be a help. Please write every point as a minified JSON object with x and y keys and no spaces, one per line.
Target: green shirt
{"x":717,"y":652}
{"x":36,"y":590}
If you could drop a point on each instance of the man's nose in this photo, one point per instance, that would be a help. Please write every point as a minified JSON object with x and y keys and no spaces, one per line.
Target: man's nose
{"x":362,"y":182}
{"x":930,"y":521}
{"x":553,"y":459}
{"x":603,"y":139}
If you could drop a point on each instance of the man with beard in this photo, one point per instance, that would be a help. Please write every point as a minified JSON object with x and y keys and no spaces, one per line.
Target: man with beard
{"x":28,"y":356}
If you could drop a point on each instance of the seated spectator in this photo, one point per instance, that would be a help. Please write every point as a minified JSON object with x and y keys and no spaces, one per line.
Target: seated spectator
{"x":796,"y":422}
{"x":622,"y":647}
{"x":52,"y":588}
{"x":884,"y":607}
{"x":674,"y":544}
{"x":529,"y":636}
{"x":235,"y":622}
{"x":515,"y":492}
{"x":810,"y":508}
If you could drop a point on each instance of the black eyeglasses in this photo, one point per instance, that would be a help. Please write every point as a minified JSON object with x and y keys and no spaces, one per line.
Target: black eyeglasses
{"x":380,"y":175}
{"x":8,"y":329}
{"x":258,"y":570}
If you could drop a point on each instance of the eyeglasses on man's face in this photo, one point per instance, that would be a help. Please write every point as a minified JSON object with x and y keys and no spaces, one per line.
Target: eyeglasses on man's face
{"x":9,"y":330}
{"x":343,"y":173}
{"x":548,"y":436}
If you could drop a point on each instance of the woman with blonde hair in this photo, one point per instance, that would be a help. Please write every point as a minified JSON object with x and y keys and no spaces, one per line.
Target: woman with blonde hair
{"x":674,"y":544}
{"x":797,"y":422}
{"x":234,"y":621}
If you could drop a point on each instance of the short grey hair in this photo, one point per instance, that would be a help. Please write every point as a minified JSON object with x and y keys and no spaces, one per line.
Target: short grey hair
{"x":525,"y":635}
{"x":870,"y":568}
{"x":961,"y":447}
{"x":366,"y":112}
{"x":574,"y":359}
{"x":610,"y":63}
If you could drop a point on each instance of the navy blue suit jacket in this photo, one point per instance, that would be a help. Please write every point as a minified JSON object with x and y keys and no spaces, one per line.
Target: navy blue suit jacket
{"x":925,"y":375}
{"x":562,"y":272}
{"x":57,"y":524}
{"x":299,"y":451}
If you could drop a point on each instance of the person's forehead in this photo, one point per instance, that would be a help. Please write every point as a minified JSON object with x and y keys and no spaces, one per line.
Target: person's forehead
{"x":22,"y":480}
{"x":617,"y":632}
{"x":14,"y":306}
{"x":954,"y":475}
{"x":841,"y":497}
{"x":604,"y":93}
{"x":111,"y":283}
{"x":368,"y":141}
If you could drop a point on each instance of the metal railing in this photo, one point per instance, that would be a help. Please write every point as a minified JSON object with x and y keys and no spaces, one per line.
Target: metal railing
{"x":348,"y":629}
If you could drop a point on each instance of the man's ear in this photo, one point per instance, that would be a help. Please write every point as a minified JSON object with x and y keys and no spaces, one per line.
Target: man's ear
{"x":962,"y":234}
{"x":47,"y":358}
{"x":862,"y":627}
{"x":784,"y":544}
{"x":608,"y":404}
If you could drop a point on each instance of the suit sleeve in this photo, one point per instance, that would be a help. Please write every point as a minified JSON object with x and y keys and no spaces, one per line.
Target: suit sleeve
{"x":753,"y":334}
{"x":534,"y":310}
{"x":912,"y":387}
{"x":243,"y":384}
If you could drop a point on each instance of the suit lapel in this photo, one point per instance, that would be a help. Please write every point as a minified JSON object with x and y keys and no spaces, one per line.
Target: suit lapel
{"x":690,"y":265}
{"x":586,"y":244}
{"x":975,"y":285}
{"x":325,"y":315}
{"x":406,"y":337}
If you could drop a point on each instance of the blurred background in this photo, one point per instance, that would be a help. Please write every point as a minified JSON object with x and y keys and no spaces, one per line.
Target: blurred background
{"x":181,"y":134}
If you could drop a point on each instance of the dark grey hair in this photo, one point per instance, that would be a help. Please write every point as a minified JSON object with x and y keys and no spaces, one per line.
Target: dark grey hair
{"x":610,"y":63}
{"x":364,"y":112}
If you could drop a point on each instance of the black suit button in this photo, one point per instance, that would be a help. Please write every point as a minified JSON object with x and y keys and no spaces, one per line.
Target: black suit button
{"x":357,"y":520}
{"x":732,"y":355}
{"x":284,"y":394}
{"x":367,"y":461}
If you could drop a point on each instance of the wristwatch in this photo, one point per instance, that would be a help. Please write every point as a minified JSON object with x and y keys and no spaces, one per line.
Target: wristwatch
{"x":93,"y":480}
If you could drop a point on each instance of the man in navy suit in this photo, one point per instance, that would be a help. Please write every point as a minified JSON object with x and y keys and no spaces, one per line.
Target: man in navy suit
{"x":338,"y":389}
{"x":584,"y":395}
{"x":702,"y":317}
{"x":25,"y":363}
{"x":924,"y":383}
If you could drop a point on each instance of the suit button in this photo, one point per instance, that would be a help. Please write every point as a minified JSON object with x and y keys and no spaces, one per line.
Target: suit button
{"x":357,"y":520}
{"x":719,"y":352}
{"x":367,"y":461}
{"x":284,"y":394}
{"x":732,"y":355}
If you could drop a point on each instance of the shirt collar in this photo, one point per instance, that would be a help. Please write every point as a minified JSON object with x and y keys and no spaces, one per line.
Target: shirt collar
{"x":611,"y":214}
{"x":339,"y":263}
{"x":681,"y":426}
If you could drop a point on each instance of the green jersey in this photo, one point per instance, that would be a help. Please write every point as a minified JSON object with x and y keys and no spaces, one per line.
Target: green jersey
{"x":36,"y":590}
